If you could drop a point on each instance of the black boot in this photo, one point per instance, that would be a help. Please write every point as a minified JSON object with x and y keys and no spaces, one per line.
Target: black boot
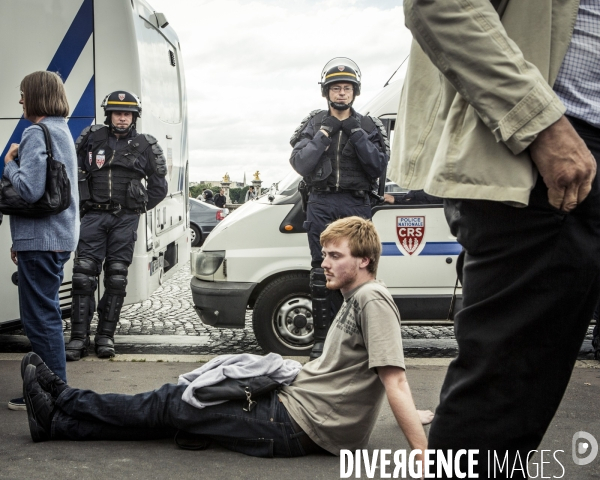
{"x":40,"y":406}
{"x":77,"y":346}
{"x":48,"y":380}
{"x":321,"y":310}
{"x":109,"y":309}
{"x":104,"y":343}
{"x":84,"y":286}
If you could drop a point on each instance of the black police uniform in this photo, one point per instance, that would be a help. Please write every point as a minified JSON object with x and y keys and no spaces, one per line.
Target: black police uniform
{"x":339,"y":179}
{"x":113,"y":196}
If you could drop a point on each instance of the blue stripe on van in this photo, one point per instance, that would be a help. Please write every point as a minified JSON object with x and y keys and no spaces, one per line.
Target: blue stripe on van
{"x":63,"y":62}
{"x":390,"y":249}
{"x":74,"y":41}
{"x":84,"y":113}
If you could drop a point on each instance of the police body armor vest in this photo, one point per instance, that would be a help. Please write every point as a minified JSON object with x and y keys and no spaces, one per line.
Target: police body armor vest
{"x":112,"y":174}
{"x":339,"y":167}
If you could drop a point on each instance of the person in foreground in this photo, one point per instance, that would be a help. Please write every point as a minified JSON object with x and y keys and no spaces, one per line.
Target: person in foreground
{"x":42,"y":246}
{"x":332,"y":404}
{"x":512,"y":120}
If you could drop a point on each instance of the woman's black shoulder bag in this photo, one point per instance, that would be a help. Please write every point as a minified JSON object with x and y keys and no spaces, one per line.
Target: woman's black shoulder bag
{"x":56,"y":197}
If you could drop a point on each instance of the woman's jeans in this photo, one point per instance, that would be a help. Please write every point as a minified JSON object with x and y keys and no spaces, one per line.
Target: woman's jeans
{"x":40,"y":277}
{"x":266,"y":431}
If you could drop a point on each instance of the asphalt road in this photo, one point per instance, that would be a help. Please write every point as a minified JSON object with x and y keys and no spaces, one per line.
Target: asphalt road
{"x":21,"y":458}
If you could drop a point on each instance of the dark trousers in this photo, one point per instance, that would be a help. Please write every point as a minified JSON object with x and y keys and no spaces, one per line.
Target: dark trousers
{"x":530,"y":279}
{"x":324,"y":208}
{"x":104,"y":235}
{"x":266,"y":431}
{"x":40,"y":277}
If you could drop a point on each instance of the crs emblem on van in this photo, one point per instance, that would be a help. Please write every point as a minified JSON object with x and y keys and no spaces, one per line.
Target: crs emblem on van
{"x":411,"y":234}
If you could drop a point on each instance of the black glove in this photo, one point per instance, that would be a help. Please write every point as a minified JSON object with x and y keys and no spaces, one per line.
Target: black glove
{"x":332,"y":125}
{"x":350,"y":124}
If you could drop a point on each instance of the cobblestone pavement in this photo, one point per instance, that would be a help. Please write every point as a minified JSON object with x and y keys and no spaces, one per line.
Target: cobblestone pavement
{"x":170,"y":311}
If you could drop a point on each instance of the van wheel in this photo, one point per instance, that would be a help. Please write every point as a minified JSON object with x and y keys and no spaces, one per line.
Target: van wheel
{"x":196,"y":235}
{"x":282,"y":317}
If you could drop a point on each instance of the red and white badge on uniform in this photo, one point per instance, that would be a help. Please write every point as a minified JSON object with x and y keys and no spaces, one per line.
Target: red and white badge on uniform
{"x":100,"y":158}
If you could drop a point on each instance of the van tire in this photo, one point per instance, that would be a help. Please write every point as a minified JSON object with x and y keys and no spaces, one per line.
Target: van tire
{"x":282,"y":316}
{"x":197,"y":238}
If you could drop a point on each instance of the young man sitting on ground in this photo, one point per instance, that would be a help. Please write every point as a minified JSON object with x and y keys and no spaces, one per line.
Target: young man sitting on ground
{"x":332,"y":404}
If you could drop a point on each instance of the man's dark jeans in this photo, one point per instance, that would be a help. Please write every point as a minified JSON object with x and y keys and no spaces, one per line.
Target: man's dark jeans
{"x":40,"y":277}
{"x":531,"y":279}
{"x":266,"y":431}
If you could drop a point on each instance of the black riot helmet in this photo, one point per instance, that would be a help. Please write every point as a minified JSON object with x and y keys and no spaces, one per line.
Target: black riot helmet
{"x":121,"y":101}
{"x":208,"y":194}
{"x":340,"y":69}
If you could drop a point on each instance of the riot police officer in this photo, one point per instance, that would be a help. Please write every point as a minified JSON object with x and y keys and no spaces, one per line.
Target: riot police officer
{"x":121,"y":174}
{"x":340,"y":154}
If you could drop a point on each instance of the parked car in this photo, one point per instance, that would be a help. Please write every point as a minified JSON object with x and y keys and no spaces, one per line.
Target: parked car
{"x":203,"y":218}
{"x":392,"y":187}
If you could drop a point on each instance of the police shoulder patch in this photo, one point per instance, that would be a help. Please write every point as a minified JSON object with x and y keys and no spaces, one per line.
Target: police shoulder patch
{"x":84,"y":133}
{"x":382,"y":133}
{"x":296,"y":136}
{"x":151,"y":140}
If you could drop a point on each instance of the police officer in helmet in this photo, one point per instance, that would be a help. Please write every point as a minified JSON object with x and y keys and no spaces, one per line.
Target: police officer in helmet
{"x":121,"y":175}
{"x":340,"y":155}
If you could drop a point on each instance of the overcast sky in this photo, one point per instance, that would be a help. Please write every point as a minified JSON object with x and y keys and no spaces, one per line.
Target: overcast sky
{"x":252,"y":69}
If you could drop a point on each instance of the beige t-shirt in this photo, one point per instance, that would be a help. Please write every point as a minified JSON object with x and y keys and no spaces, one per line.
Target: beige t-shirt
{"x":336,"y":398}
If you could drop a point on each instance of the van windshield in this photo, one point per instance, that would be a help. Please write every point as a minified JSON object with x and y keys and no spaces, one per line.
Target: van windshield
{"x":288,"y":185}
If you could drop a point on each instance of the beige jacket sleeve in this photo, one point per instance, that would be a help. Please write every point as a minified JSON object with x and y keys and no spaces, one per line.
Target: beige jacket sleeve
{"x":467,"y":42}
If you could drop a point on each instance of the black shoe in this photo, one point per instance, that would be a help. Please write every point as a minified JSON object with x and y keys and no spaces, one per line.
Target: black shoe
{"x":104,"y":346}
{"x":48,"y":380}
{"x":40,"y":406}
{"x":17,"y":404}
{"x":76,"y":349}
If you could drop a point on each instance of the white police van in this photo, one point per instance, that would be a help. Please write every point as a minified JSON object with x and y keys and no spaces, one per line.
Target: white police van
{"x":268,"y":271}
{"x":99,"y":46}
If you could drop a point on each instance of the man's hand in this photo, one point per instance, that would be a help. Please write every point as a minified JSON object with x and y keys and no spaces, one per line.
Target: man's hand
{"x":13,"y":256}
{"x":12,"y":153}
{"x":350,"y":124}
{"x":565,"y":163}
{"x":331,"y":125}
{"x":387,"y":198}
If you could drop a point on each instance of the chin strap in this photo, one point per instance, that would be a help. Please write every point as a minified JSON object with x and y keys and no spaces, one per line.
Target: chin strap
{"x":121,"y":131}
{"x":340,"y":106}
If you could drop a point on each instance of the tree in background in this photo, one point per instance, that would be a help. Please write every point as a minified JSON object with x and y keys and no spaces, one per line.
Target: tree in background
{"x":199,"y":189}
{"x":237,"y":195}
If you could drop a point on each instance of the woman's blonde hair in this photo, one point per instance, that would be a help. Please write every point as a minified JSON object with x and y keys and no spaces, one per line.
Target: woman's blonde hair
{"x":44,"y":95}
{"x":363,"y":239}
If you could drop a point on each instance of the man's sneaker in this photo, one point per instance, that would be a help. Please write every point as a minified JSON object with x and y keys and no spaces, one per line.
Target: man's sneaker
{"x":40,"y":406}
{"x":47,"y":379}
{"x":17,"y":404}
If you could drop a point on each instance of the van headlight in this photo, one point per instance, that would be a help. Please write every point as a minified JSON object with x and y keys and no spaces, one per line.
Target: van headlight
{"x":206,"y":263}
